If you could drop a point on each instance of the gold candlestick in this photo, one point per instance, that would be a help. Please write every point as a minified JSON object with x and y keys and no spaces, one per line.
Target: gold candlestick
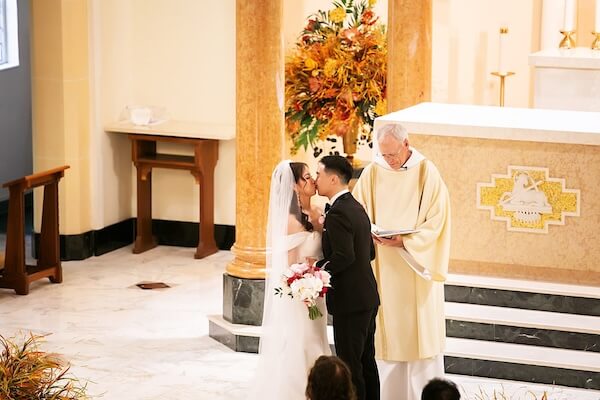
{"x":596,"y":42}
{"x":567,"y":42}
{"x":502,"y":76}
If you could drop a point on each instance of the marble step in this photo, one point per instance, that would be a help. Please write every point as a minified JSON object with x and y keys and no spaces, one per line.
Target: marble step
{"x":475,"y":349}
{"x":468,"y":357}
{"x":521,"y":294}
{"x":524,"y":285}
{"x":523,"y":354}
{"x":522,"y":318}
{"x":536,"y":328}
{"x":484,"y":315}
{"x":522,"y":363}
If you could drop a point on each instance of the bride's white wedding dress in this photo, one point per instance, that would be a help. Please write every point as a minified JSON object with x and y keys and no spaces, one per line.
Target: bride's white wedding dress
{"x":291,"y":345}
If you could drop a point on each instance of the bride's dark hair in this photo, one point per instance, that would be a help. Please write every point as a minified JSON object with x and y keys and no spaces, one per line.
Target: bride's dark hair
{"x":296,"y":207}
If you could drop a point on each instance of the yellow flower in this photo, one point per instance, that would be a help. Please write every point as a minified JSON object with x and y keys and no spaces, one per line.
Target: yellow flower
{"x":372,"y":3}
{"x":337,"y":15}
{"x":310,"y":64}
{"x":381,"y":107}
{"x":330,"y":68}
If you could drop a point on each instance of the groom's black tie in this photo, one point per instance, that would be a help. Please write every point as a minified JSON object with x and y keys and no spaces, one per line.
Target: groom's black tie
{"x":327,"y":207}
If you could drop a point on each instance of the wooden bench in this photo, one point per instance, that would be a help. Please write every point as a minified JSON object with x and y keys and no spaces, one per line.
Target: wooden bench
{"x":16,"y":274}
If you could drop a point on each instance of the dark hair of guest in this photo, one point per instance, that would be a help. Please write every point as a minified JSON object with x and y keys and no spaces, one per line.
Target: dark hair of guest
{"x":440,"y":389}
{"x":338,"y":165}
{"x":295,"y":207}
{"x":330,"y":379}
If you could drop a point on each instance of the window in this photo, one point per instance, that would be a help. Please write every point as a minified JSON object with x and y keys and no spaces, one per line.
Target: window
{"x":2,"y":32}
{"x":9,"y":34}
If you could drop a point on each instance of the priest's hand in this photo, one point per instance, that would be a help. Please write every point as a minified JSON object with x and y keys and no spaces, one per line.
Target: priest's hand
{"x":392,"y":241}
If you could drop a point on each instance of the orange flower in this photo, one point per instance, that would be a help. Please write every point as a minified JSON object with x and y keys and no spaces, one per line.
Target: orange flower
{"x":350,"y":34}
{"x":341,"y":128}
{"x":312,"y":24}
{"x":330,"y":67}
{"x":314,"y":84}
{"x":310,"y":64}
{"x":368,"y":18}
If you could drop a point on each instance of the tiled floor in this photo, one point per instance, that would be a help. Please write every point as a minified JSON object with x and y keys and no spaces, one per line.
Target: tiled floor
{"x":153,"y":344}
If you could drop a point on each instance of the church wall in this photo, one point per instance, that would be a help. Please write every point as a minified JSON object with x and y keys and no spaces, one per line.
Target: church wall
{"x":465,"y":50}
{"x":178,"y":55}
{"x":585,"y":22}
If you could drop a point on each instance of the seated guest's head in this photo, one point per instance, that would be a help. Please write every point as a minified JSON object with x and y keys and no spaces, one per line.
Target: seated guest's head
{"x":330,"y":379}
{"x":440,"y":389}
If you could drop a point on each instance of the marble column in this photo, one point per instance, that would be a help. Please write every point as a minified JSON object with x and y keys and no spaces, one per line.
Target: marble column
{"x":409,"y":53}
{"x":61,"y":110}
{"x":259,"y":147}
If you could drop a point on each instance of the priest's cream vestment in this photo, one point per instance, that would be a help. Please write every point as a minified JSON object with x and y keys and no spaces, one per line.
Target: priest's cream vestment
{"x":410,"y":322}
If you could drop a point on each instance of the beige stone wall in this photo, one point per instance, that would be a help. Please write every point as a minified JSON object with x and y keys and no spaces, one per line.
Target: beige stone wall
{"x":61,"y":106}
{"x":568,"y":253}
{"x":178,"y":55}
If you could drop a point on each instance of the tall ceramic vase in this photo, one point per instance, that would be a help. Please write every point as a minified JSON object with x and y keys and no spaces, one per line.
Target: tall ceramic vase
{"x":349,"y":140}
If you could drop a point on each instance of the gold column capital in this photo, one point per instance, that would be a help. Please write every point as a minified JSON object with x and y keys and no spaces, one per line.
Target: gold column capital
{"x":249,"y":262}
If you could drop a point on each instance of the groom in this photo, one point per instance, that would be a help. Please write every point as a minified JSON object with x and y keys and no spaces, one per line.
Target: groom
{"x":353,"y":299}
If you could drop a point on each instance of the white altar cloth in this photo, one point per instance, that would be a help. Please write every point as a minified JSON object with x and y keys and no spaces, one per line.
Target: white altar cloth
{"x":503,"y":123}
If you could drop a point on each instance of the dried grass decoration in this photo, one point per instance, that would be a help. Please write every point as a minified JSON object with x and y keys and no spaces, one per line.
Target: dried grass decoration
{"x":27,"y":373}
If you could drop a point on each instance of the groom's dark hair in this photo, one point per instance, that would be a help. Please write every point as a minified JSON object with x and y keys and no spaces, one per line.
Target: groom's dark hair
{"x":330,"y":379}
{"x":338,"y":165}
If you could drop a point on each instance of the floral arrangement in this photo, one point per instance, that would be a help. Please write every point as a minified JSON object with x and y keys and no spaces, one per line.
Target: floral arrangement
{"x":336,"y":76}
{"x":27,"y":373}
{"x":305,"y":283}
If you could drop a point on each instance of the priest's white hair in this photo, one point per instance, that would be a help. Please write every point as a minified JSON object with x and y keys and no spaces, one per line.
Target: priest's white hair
{"x":394,"y":130}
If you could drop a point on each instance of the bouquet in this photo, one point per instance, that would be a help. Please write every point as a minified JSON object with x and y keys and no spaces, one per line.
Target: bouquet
{"x":336,"y":76}
{"x":306,"y":283}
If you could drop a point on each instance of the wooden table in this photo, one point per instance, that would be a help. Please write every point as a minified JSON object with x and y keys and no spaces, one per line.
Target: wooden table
{"x":16,"y":274}
{"x":204,"y":140}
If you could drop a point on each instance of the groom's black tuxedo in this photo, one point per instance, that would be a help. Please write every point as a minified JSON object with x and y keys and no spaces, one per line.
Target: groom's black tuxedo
{"x":353,"y":299}
{"x":348,"y":250}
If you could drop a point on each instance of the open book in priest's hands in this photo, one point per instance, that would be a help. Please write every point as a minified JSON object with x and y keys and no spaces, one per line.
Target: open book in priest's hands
{"x":386,"y":233}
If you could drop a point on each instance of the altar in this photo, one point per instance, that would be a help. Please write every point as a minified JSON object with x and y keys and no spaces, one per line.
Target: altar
{"x":567,"y":79}
{"x":523,"y":187}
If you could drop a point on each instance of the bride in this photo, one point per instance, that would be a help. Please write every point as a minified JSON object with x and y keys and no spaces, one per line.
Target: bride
{"x":290,"y":342}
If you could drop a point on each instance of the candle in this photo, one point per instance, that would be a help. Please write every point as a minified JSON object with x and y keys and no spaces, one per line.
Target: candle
{"x":569,"y":24}
{"x":597,"y":20}
{"x":502,"y":50}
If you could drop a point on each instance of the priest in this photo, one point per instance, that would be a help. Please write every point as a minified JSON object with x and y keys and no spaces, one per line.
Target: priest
{"x":402,"y":190}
